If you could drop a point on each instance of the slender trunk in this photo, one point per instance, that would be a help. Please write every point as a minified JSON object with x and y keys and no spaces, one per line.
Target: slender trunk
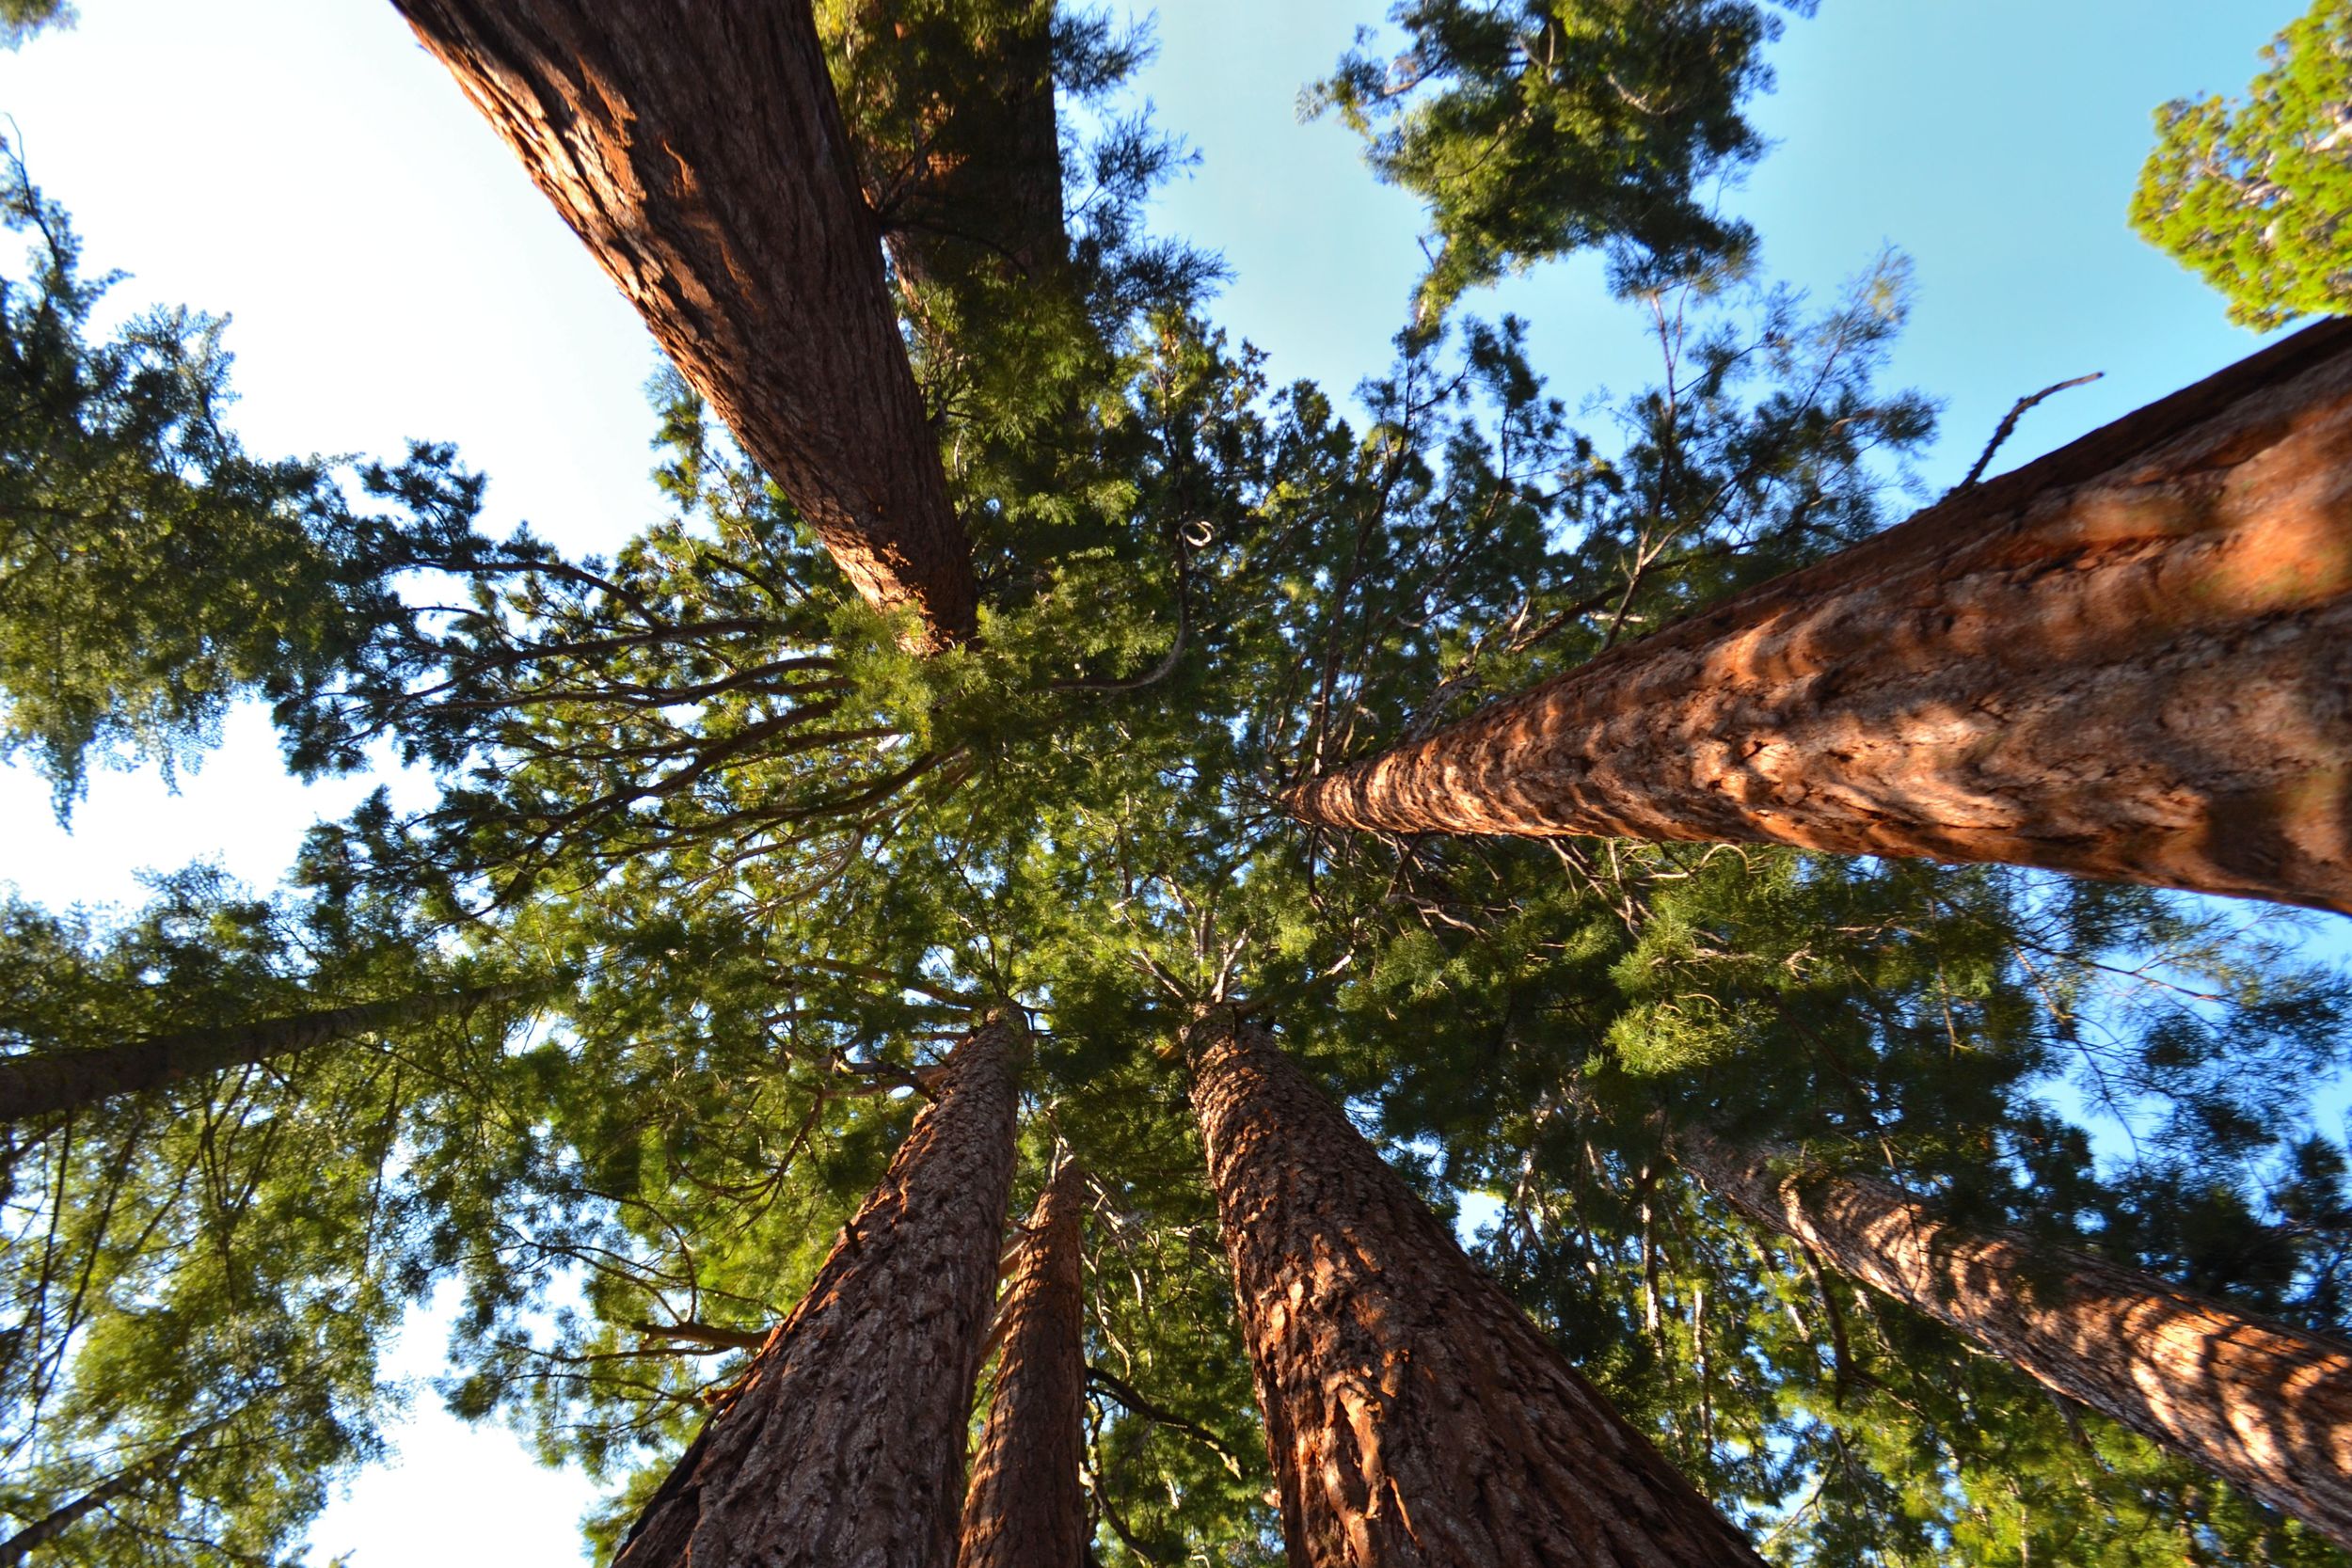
{"x":17,"y":1547}
{"x":1025,"y":1509}
{"x":699,"y":152}
{"x":2130,"y":660}
{"x":2265,"y":1404}
{"x":45,"y":1080}
{"x":1414,"y":1415}
{"x":844,"y":1443}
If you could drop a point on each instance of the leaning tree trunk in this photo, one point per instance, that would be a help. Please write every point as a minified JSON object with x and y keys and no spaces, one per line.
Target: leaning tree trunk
{"x":1414,"y":1415}
{"x":2265,"y":1404}
{"x":2130,"y":660}
{"x":844,"y":1443}
{"x":698,"y":150}
{"x":40,"y":1082}
{"x":1025,"y":1509}
{"x":957,"y":143}
{"x":50,"y":1526}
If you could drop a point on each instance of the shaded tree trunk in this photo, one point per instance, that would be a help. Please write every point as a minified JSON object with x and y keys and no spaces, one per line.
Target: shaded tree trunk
{"x":1414,"y":1414}
{"x":698,"y":150}
{"x":40,"y":1081}
{"x":844,"y":1443}
{"x":2129,"y":659}
{"x":1025,"y":1509}
{"x":2265,"y":1404}
{"x":957,"y":143}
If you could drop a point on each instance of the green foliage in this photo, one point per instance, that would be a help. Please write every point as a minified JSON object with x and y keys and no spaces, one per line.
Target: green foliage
{"x":789,"y":864}
{"x":196,"y":1283}
{"x":2253,"y":196}
{"x":1537,"y":128}
{"x":151,"y":571}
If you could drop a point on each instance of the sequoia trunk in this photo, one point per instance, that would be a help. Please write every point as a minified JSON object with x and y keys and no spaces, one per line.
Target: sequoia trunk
{"x":43,"y":1081}
{"x":2130,"y":660}
{"x":1025,"y":1509}
{"x":1414,"y":1415}
{"x":698,"y":150}
{"x":2267,"y":1405}
{"x":844,"y":1443}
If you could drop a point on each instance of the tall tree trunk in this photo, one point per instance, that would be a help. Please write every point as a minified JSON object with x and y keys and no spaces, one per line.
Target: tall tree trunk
{"x":698,"y":150}
{"x":1025,"y":1509}
{"x":40,"y":1082}
{"x":17,"y":1547}
{"x":2267,"y":1405}
{"x":1414,"y":1415}
{"x":844,"y":1443}
{"x":957,"y":142}
{"x":2130,"y":660}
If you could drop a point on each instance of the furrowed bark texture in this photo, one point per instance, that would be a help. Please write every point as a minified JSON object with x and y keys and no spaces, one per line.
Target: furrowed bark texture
{"x":1415,"y":1416}
{"x":2265,"y":1404}
{"x":695,"y":146}
{"x":2129,"y":659}
{"x":843,"y":1446}
{"x":1025,"y":1509}
{"x":40,"y":1081}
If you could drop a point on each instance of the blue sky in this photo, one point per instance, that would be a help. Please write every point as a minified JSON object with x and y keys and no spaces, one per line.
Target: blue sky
{"x":301,"y":165}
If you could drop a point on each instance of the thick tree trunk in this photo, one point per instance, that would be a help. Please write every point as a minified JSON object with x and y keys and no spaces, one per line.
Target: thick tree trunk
{"x":1414,"y":1415}
{"x":1025,"y":1509}
{"x":2130,"y":660}
{"x":40,"y":1081}
{"x":698,"y":150}
{"x":844,"y":1443}
{"x":2265,"y":1404}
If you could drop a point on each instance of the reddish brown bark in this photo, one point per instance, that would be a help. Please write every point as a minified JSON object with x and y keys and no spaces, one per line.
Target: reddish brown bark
{"x":698,"y":150}
{"x":2130,"y":660}
{"x":844,"y":1444}
{"x":1414,"y":1415}
{"x":2267,"y":1405}
{"x":1025,"y":1509}
{"x":39,"y":1081}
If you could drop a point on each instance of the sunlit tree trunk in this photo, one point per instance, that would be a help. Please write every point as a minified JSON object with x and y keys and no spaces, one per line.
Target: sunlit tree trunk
{"x":2130,"y":660}
{"x":1025,"y":1509}
{"x":2265,"y":1404}
{"x":40,"y":1081}
{"x":844,"y":1443}
{"x":1415,"y":1416}
{"x":698,"y":150}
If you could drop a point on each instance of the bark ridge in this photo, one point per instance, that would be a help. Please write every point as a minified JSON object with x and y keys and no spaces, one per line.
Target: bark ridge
{"x":698,"y":150}
{"x":1414,"y":1414}
{"x":2130,"y":660}
{"x":2265,"y":1404}
{"x":843,"y":1446}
